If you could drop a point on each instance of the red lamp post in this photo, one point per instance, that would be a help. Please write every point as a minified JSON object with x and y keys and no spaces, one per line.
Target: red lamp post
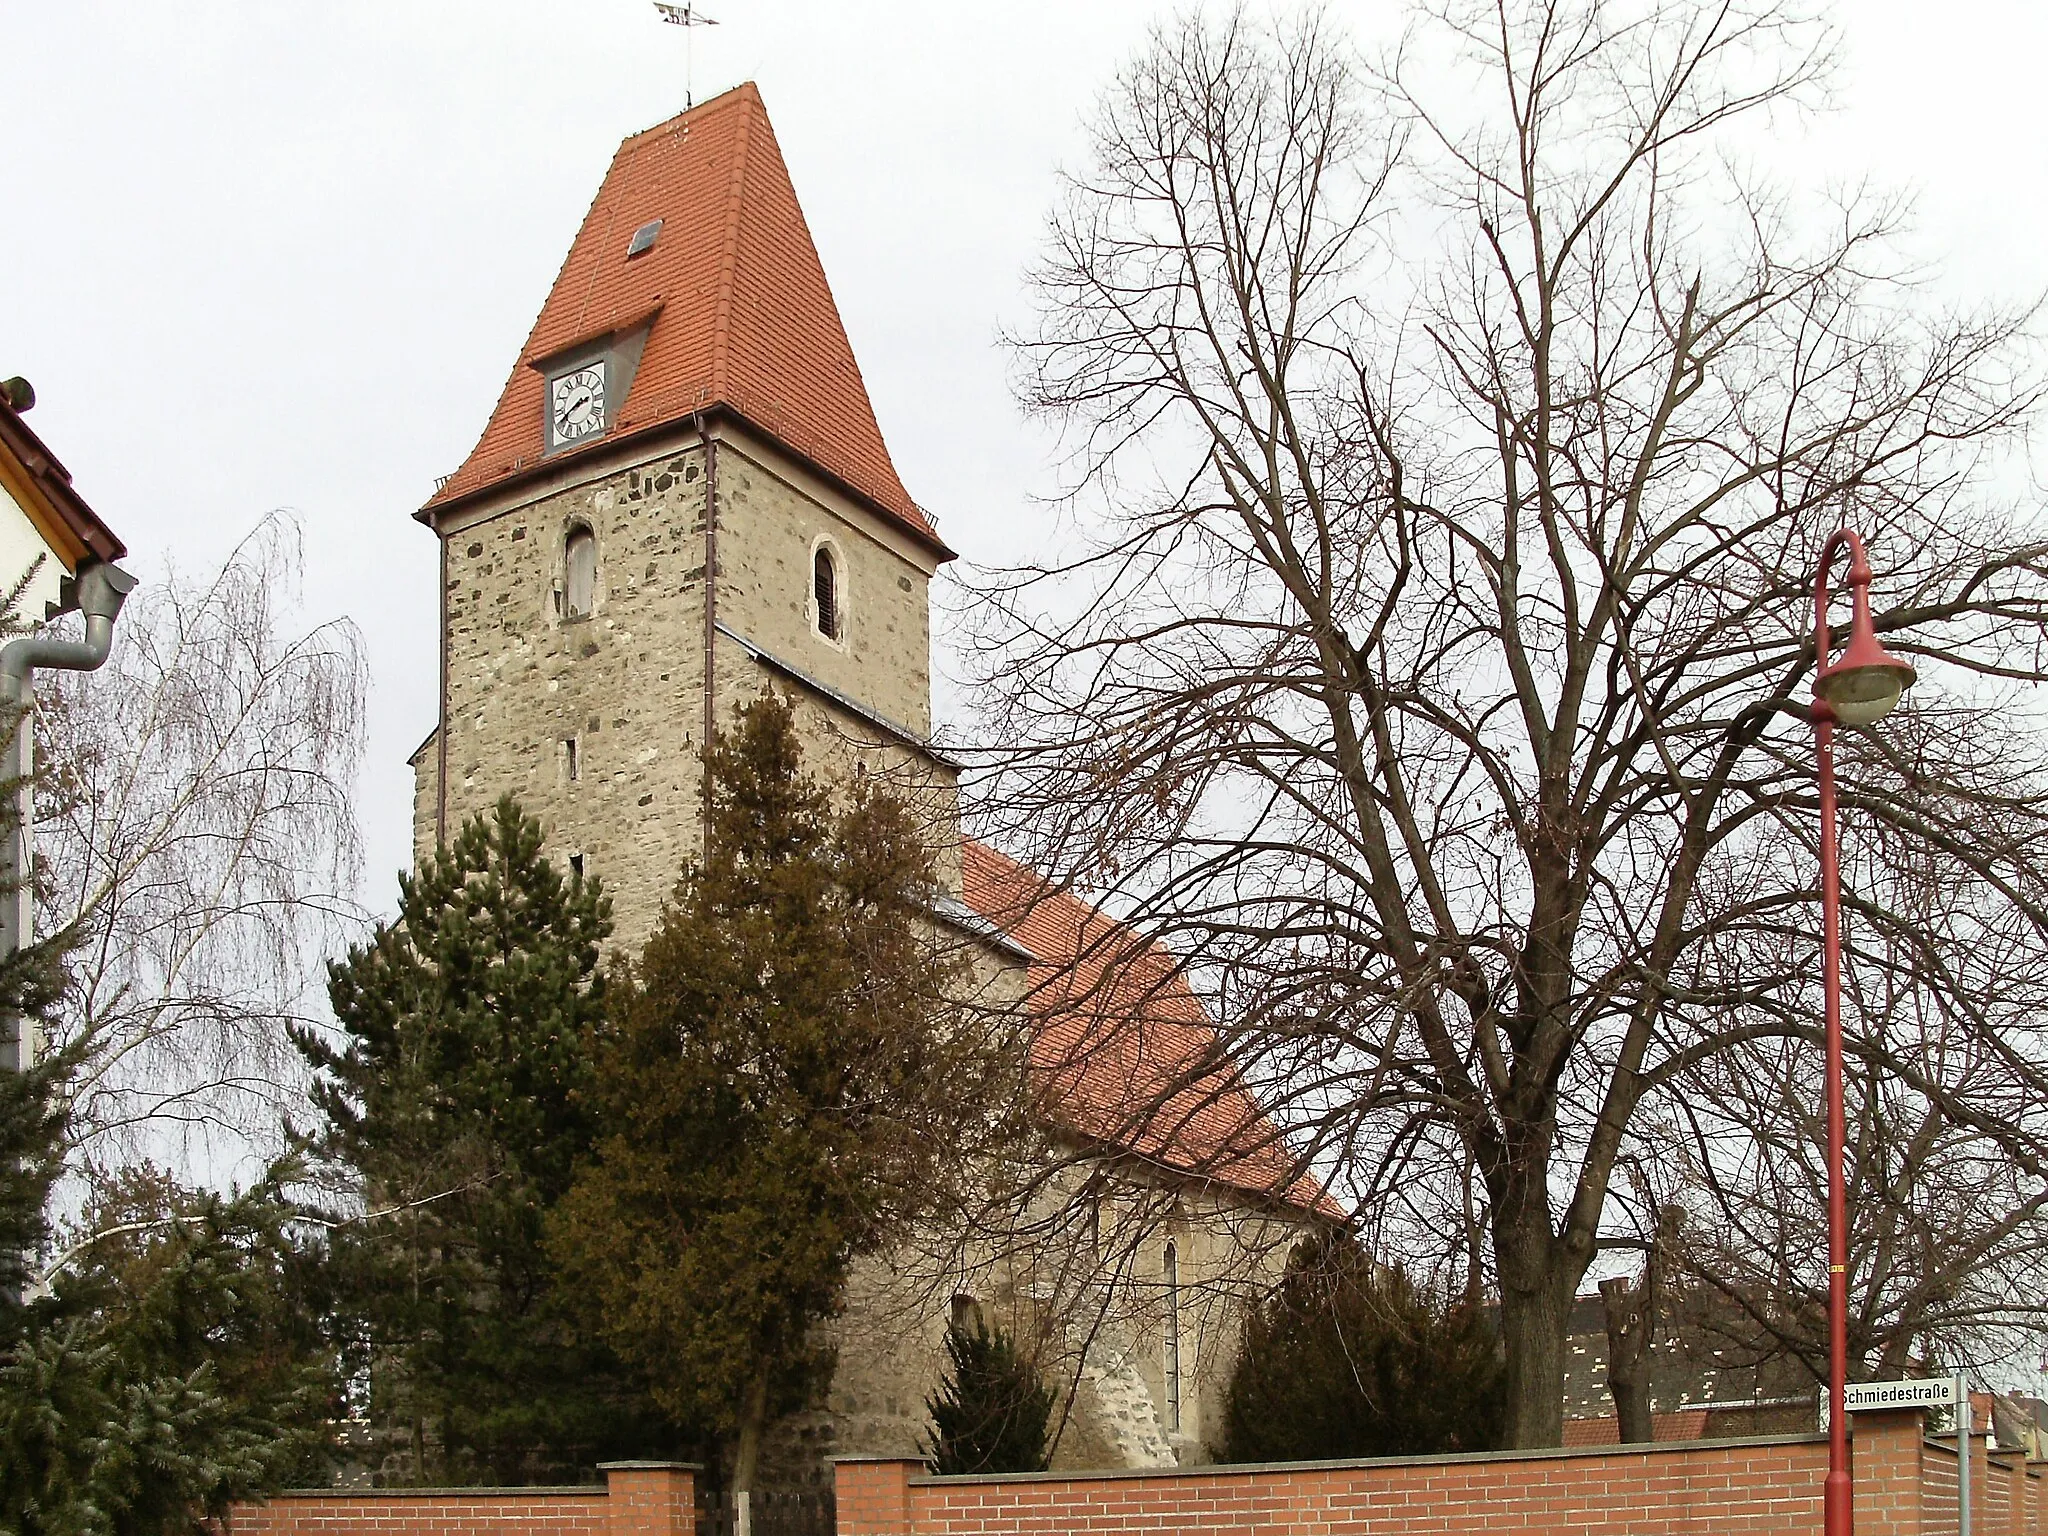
{"x":1857,"y":688}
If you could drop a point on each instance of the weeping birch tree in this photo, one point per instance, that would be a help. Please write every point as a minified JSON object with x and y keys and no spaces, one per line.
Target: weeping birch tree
{"x":1427,"y":656}
{"x":196,"y":839}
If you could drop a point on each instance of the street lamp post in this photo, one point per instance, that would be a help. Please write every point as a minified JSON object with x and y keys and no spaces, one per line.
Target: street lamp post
{"x":1859,"y":687}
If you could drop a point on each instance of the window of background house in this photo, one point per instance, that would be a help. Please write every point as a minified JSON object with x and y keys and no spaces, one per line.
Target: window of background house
{"x":825,"y":591}
{"x":579,"y":573}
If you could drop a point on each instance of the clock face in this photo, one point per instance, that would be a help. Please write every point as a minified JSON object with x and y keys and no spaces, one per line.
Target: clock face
{"x":576,"y":403}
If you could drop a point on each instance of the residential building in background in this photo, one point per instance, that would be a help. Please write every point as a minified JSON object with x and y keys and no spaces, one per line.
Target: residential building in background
{"x":47,"y":531}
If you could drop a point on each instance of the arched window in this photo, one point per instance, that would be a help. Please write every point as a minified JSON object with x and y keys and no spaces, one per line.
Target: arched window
{"x":1172,"y":1340}
{"x":825,"y":591}
{"x":579,"y":573}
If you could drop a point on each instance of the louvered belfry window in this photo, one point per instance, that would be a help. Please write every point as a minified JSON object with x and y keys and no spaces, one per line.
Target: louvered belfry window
{"x":825,"y":589}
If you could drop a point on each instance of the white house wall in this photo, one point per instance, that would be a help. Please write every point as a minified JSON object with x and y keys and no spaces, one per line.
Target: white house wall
{"x":20,"y":545}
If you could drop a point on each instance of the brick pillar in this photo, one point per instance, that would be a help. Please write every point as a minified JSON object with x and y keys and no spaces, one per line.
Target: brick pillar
{"x":650,"y":1498}
{"x":2007,"y":1474}
{"x":1885,"y":1462}
{"x":1992,"y":1504}
{"x":873,"y":1494}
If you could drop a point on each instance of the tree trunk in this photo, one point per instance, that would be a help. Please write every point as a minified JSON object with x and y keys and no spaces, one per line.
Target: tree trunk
{"x":1539,"y":1273}
{"x":1630,"y":1322}
{"x":1534,"y":1320}
{"x":747,"y":1464}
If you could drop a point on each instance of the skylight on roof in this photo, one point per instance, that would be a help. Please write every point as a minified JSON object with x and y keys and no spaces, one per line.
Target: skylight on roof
{"x":643,"y":239}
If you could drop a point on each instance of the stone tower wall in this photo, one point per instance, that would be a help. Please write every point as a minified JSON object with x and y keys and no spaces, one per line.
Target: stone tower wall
{"x":625,"y":684}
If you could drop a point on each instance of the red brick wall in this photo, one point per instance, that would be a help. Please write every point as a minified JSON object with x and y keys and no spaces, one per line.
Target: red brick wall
{"x":872,"y":1495}
{"x":1889,"y":1460}
{"x":2008,"y":1495}
{"x":637,"y":1499}
{"x":1680,"y":1424}
{"x":427,"y":1512}
{"x":1905,"y":1486}
{"x":1759,"y":1487}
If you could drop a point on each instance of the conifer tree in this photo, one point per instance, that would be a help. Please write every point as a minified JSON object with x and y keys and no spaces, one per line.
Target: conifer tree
{"x":32,"y":1126}
{"x":459,"y":1102}
{"x":784,"y":1088}
{"x":1349,"y":1358}
{"x":992,"y":1411}
{"x":170,"y":1369}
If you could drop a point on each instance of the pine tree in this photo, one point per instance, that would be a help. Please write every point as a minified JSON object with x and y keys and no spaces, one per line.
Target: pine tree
{"x":991,"y":1413}
{"x":32,"y":1134}
{"x":1349,"y":1358}
{"x":172,"y":1369}
{"x":784,"y":1088}
{"x":460,"y":1102}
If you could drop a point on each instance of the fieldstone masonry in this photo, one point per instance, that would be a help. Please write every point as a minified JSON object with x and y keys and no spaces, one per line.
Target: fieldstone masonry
{"x":595,"y":723}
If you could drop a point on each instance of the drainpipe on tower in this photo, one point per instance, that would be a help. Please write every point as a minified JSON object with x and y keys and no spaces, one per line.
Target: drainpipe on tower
{"x":710,"y":603}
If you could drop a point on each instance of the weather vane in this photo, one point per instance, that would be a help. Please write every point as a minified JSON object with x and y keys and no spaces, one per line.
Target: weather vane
{"x":685,"y":16}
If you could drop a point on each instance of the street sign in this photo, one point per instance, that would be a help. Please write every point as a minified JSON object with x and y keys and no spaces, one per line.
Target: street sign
{"x":1938,"y":1392}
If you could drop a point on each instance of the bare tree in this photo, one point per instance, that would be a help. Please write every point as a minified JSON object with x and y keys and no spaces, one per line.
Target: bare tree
{"x":1453,"y":441}
{"x":196,"y":827}
{"x":1949,"y":1215}
{"x":1633,"y":1310}
{"x":1949,"y":1194}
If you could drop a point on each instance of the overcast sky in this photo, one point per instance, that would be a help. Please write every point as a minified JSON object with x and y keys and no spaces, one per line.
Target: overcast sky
{"x":283,"y":254}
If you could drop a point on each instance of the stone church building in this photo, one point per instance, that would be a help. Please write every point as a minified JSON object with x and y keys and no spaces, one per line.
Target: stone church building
{"x":683,"y":497}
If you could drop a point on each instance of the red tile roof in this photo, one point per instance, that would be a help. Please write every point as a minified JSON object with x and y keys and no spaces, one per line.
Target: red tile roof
{"x":42,"y":487}
{"x":743,"y":319}
{"x":1125,"y":1049}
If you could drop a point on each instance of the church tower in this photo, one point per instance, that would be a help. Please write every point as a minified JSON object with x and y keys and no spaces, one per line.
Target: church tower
{"x":681,"y":497}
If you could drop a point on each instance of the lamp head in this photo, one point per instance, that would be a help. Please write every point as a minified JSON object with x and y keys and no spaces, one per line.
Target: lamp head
{"x":1862,"y":685}
{"x":1862,"y":693}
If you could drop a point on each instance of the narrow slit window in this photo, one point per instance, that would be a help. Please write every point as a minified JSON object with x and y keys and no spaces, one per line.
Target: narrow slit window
{"x":579,"y":574}
{"x":1172,"y":1339}
{"x":576,"y":866}
{"x":572,"y":760}
{"x":825,"y":591}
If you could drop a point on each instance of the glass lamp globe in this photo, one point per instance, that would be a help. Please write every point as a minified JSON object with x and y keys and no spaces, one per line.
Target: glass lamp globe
{"x":1865,"y":695}
{"x":1864,"y":685}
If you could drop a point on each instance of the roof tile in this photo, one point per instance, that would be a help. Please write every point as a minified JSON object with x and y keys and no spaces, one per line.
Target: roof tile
{"x":1129,"y":1056}
{"x":46,"y":485}
{"x":745,"y":321}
